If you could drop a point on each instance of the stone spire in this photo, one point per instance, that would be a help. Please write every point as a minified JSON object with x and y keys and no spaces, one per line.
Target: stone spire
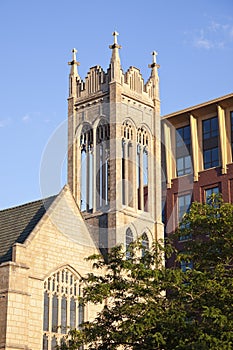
{"x":154,"y":66}
{"x":115,"y":63}
{"x":74,"y":76}
{"x":74,"y":64}
{"x":154,"y":75}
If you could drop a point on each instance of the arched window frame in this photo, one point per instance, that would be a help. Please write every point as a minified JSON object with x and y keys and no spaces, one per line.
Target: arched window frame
{"x":145,"y":243}
{"x":128,"y":241}
{"x":127,"y":163}
{"x":102,"y":163}
{"x":62,"y":310}
{"x":142,"y":168}
{"x":86,"y":175}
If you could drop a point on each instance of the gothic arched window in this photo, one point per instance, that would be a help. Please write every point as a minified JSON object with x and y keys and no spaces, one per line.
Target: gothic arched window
{"x":102,"y":163}
{"x":145,"y":243}
{"x":128,"y":241}
{"x":62,"y":310}
{"x":142,"y":162}
{"x":127,"y":164}
{"x":86,"y":144}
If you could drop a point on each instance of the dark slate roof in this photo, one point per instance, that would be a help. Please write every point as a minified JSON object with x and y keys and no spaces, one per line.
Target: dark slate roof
{"x":17,"y":223}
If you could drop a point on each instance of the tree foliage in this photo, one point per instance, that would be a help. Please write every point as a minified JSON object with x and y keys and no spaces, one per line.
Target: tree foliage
{"x":148,"y":306}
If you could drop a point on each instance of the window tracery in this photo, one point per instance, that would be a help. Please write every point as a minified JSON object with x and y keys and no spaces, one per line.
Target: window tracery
{"x":62,"y":310}
{"x":127,"y":131}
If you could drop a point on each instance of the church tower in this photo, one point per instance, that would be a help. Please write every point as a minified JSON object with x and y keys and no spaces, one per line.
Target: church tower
{"x":114,"y":151}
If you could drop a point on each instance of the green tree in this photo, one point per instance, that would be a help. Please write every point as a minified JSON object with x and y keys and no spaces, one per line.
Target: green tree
{"x":148,"y":306}
{"x":209,"y":250}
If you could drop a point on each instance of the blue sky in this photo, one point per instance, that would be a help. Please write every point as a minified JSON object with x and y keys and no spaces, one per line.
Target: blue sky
{"x":194,"y":40}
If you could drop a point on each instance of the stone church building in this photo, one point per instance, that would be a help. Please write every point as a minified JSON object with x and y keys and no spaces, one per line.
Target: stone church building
{"x":131,"y":173}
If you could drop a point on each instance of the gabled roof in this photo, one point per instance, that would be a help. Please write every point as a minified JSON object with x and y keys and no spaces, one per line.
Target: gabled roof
{"x":18,"y":222}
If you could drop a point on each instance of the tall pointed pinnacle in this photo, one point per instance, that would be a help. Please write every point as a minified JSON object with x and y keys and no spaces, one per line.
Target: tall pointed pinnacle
{"x":154,"y":75}
{"x":115,"y":46}
{"x":74,"y":63}
{"x":115,"y":63}
{"x":154,"y":66}
{"x":74,"y":76}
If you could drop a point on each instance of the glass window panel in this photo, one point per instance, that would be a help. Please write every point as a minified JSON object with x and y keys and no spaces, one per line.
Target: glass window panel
{"x":54,"y":313}
{"x":138,"y":175}
{"x":211,"y":158}
{"x":72,"y":313}
{"x":138,"y":166}
{"x":215,"y":156}
{"x":145,"y":243}
{"x":106,"y":181}
{"x":46,"y":312}
{"x":128,"y":241}
{"x":54,"y":344}
{"x":214,"y":127}
{"x":179,"y":164}
{"x":129,"y":237}
{"x":187,"y":164}
{"x":210,"y":191}
{"x":183,"y":157}
{"x":206,"y":129}
{"x":183,"y":165}
{"x":123,"y":173}
{"x":130,"y":174}
{"x":90,"y":187}
{"x":184,"y":265}
{"x":80,"y":314}
{"x":101,"y":175}
{"x":63,"y":314}
{"x":145,"y":167}
{"x":210,"y":128}
{"x":83,"y":180}
{"x":183,"y":205}
{"x":207,"y":159}
{"x":45,"y":342}
{"x":183,"y":136}
{"x":187,"y":134}
{"x":179,"y":140}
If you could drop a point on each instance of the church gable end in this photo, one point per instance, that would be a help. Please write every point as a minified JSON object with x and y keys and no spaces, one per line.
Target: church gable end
{"x":17,"y":223}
